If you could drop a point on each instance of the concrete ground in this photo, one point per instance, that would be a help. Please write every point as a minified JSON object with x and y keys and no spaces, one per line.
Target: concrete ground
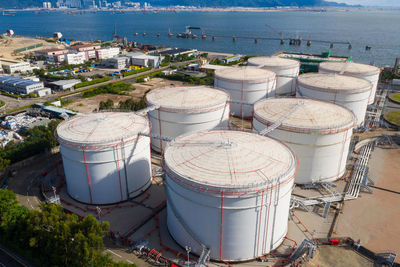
{"x":373,"y":218}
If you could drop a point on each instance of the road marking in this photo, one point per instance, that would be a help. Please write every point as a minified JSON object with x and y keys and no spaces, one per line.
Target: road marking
{"x":129,"y":261}
{"x":114,"y":253}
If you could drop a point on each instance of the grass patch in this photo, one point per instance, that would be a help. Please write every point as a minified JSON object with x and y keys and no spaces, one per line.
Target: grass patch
{"x":2,"y":103}
{"x":393,"y":117}
{"x":395,"y":97}
{"x":118,"y":88}
{"x":19,"y":109}
{"x":96,"y":81}
{"x":208,"y":80}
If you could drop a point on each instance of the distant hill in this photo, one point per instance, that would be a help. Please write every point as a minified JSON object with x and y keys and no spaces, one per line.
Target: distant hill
{"x":200,"y":3}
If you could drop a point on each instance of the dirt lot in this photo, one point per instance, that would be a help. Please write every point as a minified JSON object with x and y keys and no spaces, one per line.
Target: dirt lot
{"x":339,"y":257}
{"x":7,"y":46}
{"x":86,"y":105}
{"x":373,"y":217}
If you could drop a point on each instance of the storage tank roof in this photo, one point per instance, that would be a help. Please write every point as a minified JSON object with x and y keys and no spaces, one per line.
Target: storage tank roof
{"x":334,"y":83}
{"x":101,"y":128}
{"x":350,"y":68}
{"x":245,"y":74}
{"x":273,"y":62}
{"x":229,"y":161}
{"x":304,"y":115}
{"x":187,"y":99}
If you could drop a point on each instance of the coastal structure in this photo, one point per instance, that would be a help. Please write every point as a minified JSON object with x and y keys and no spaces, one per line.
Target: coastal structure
{"x":363,"y":71}
{"x":179,"y":110}
{"x":346,"y":91}
{"x":105,"y":158}
{"x":318,"y":132}
{"x":286,"y":71}
{"x":246,"y":85}
{"x":228,"y":192}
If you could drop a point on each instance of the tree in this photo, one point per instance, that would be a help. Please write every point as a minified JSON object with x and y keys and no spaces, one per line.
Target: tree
{"x":104,"y":105}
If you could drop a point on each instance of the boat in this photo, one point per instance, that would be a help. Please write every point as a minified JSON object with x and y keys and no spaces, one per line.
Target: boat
{"x":310,"y":62}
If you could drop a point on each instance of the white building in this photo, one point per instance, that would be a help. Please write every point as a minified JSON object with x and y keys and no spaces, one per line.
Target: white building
{"x":107,"y":52}
{"x":11,"y":66}
{"x":117,"y":62}
{"x":19,"y":86}
{"x":46,"y":5}
{"x":63,"y":85}
{"x":75,"y":58}
{"x":140,"y":59}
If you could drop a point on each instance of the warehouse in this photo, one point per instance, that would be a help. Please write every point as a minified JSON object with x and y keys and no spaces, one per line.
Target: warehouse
{"x":19,"y":86}
{"x":63,"y":85}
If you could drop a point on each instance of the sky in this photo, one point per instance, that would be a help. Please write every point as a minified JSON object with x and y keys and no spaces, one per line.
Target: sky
{"x":395,"y":3}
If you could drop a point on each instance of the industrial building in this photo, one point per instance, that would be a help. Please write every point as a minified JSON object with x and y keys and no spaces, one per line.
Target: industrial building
{"x":246,"y":85}
{"x":180,"y":110}
{"x":89,"y":50}
{"x":11,"y":66}
{"x":144,"y":60}
{"x":117,"y":62}
{"x":174,"y":52}
{"x":347,"y":91}
{"x":228,"y":192}
{"x":75,"y":58}
{"x":363,"y":71}
{"x":318,"y":132}
{"x":51,"y":55}
{"x":105,"y":53}
{"x":63,"y":85}
{"x":20,"y":86}
{"x":105,"y":157}
{"x":286,"y":71}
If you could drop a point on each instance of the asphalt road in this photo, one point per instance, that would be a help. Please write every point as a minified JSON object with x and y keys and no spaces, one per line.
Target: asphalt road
{"x":12,"y":103}
{"x":9,"y":260}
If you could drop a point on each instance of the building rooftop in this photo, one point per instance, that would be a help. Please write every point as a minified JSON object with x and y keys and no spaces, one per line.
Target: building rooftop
{"x":226,"y":160}
{"x":16,"y":81}
{"x":65,"y":82}
{"x":310,"y":116}
{"x":4,"y":61}
{"x":174,"y":51}
{"x":84,"y":46}
{"x":51,"y":50}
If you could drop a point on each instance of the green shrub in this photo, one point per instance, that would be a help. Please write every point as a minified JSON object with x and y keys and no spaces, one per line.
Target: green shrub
{"x":118,"y":88}
{"x":96,"y":81}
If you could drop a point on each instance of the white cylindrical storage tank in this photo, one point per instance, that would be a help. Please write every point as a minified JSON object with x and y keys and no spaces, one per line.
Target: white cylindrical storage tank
{"x":228,"y":191}
{"x":286,"y":71}
{"x":319,"y":133}
{"x":363,"y":71}
{"x":246,"y":85}
{"x":186,"y":109}
{"x":346,"y":91}
{"x":105,"y":160}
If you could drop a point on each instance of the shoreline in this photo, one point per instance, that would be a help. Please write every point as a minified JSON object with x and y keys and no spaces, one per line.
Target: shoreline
{"x":208,"y":9}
